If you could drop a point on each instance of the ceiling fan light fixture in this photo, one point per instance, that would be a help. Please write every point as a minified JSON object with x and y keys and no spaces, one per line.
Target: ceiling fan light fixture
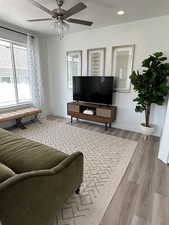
{"x":61,"y":27}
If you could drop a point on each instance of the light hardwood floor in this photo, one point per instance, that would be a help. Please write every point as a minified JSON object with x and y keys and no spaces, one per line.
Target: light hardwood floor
{"x":142,"y":197}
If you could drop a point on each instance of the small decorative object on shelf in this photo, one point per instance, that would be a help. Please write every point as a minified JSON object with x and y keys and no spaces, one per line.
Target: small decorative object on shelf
{"x":94,"y":112}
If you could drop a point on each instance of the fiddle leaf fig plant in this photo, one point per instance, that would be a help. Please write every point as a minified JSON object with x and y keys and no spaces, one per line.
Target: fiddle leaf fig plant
{"x":151,"y":84}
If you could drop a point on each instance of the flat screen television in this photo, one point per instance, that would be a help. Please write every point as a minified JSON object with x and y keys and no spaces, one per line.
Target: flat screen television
{"x":93,"y":89}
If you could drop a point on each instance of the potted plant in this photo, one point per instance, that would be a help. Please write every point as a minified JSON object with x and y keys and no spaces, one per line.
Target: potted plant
{"x":152,"y":87}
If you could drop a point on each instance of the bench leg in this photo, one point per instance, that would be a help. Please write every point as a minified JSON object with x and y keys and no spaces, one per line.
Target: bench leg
{"x":77,"y":191}
{"x":36,"y":119}
{"x":19,"y":124}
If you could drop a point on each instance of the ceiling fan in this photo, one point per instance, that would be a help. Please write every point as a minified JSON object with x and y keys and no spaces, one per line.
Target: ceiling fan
{"x":60,"y":16}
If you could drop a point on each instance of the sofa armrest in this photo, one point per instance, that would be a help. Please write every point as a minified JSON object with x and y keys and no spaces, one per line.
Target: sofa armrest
{"x":33,"y":197}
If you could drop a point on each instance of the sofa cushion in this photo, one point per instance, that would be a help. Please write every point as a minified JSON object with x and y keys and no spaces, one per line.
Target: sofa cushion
{"x":5,"y":172}
{"x":23,"y":155}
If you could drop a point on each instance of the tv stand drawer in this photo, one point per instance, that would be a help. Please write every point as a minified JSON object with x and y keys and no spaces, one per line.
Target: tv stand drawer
{"x":73,"y":108}
{"x":104,"y":113}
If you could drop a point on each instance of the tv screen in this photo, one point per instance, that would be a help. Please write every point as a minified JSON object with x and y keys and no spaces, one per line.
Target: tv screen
{"x":93,"y":89}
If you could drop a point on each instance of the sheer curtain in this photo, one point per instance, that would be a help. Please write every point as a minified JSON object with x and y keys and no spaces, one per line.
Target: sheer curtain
{"x":34,"y":70}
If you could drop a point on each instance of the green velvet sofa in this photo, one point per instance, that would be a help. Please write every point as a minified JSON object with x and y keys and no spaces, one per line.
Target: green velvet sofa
{"x":35,"y":180}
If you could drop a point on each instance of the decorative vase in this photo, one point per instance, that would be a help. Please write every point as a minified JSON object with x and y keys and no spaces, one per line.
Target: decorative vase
{"x":147,"y":131}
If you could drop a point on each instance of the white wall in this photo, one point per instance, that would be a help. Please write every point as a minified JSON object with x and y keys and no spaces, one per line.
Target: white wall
{"x":149,"y":36}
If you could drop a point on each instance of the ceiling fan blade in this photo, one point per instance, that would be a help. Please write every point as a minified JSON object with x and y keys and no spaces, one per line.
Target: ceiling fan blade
{"x":41,"y":7}
{"x":82,"y":22}
{"x":38,"y":20}
{"x":75,"y":9}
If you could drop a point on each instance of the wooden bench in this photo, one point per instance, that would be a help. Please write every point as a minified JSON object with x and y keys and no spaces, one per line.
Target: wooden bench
{"x":19,"y":114}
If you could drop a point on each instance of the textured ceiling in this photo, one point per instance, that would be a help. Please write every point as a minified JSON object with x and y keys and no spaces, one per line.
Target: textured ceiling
{"x":101,"y":12}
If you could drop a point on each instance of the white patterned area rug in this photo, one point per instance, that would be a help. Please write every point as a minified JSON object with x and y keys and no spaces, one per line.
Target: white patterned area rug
{"x":106,"y":160}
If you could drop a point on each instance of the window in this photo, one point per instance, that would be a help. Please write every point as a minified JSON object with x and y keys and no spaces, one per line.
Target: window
{"x":14,"y":78}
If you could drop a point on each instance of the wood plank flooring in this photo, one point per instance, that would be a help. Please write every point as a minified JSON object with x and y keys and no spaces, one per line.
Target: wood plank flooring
{"x":142,"y":197}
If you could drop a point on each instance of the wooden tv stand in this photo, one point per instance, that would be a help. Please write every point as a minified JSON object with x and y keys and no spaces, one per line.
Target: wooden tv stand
{"x":102,"y":113}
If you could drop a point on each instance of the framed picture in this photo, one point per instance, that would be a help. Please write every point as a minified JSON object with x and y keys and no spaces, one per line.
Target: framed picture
{"x":74,"y":66}
{"x":96,"y":61}
{"x":122,"y":66}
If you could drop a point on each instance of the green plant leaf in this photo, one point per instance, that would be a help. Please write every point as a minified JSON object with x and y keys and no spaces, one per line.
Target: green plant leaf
{"x":146,"y":62}
{"x":163,"y":58}
{"x":139,"y":108}
{"x":158,"y":54}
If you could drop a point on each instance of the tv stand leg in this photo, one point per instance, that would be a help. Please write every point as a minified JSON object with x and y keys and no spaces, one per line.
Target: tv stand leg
{"x":105,"y":126}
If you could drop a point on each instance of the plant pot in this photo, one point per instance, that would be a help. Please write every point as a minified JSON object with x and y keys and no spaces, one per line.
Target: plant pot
{"x":147,"y":131}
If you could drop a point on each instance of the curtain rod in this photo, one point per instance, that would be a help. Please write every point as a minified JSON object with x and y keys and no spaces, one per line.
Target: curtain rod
{"x":18,"y":32}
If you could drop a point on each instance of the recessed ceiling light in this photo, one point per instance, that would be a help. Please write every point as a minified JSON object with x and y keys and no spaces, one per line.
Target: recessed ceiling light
{"x":121,"y":13}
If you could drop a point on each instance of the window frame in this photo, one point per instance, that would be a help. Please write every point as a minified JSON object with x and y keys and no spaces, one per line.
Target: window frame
{"x":18,"y":104}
